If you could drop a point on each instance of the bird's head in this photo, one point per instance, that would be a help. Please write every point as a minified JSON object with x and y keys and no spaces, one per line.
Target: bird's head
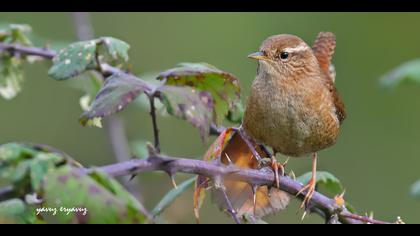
{"x":285,"y":55}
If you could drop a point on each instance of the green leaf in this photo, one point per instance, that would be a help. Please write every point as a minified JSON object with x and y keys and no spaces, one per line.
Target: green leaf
{"x":16,"y":33}
{"x":14,"y":152}
{"x":115,"y":49}
{"x":117,"y":92}
{"x":186,"y":103}
{"x":74,"y":60}
{"x":323,"y":179}
{"x":408,"y":72}
{"x":15,"y":211}
{"x":223,"y":87}
{"x":39,"y":167}
{"x":236,"y":114}
{"x":11,"y":77}
{"x":415,"y":189}
{"x":19,"y":33}
{"x":11,"y":72}
{"x":171,"y":196}
{"x":82,"y":56}
{"x":139,"y":149}
{"x":100,"y":198}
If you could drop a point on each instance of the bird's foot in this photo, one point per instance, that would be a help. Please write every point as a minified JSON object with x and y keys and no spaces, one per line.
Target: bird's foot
{"x":276,"y":166}
{"x":310,"y":187}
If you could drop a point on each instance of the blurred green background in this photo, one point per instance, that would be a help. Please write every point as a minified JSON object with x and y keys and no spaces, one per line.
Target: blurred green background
{"x":377,"y":157}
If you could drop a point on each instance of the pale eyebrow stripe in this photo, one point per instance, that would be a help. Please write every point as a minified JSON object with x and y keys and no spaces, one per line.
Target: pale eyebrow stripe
{"x":298,"y":48}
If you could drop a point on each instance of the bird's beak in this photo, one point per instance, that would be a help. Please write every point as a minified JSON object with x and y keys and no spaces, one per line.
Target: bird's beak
{"x":257,"y":56}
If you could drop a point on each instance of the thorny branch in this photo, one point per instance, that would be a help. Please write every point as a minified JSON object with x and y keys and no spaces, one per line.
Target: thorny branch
{"x":324,"y":206}
{"x":327,"y":207}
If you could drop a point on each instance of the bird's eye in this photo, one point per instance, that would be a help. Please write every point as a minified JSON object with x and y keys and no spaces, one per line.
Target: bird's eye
{"x":284,"y":55}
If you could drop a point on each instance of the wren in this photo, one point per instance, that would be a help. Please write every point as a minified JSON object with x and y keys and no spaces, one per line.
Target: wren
{"x":294,"y":106}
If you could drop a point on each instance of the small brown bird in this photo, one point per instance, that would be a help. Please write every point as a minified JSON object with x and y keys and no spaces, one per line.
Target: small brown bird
{"x":294,"y":106}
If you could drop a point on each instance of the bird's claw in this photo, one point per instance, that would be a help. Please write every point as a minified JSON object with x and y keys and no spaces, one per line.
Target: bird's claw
{"x":310,"y":187}
{"x":276,"y":167}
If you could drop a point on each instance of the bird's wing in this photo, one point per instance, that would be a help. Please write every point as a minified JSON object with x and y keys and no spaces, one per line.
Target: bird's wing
{"x":323,"y":49}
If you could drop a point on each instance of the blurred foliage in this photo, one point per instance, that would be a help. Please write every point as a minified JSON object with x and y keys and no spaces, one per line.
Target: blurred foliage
{"x":25,"y":165}
{"x":93,"y":198}
{"x":415,"y":189}
{"x":57,"y":183}
{"x":11,"y":73}
{"x":408,"y":72}
{"x":15,"y":211}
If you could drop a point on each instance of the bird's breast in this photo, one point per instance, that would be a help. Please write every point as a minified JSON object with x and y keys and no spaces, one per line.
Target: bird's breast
{"x":293,"y":117}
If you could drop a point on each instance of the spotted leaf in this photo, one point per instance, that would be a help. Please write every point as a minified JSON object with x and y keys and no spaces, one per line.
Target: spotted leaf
{"x":73,"y":60}
{"x":117,"y":92}
{"x":189,"y":104}
{"x":115,"y":49}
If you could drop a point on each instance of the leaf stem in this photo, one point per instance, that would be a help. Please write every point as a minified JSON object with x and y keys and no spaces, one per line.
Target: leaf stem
{"x":229,"y":206}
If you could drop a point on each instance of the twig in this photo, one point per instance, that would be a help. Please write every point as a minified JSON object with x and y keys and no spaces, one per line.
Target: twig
{"x":155,"y":127}
{"x":216,"y":130}
{"x":83,"y":26}
{"x":229,"y":206}
{"x":31,"y":51}
{"x":6,"y":193}
{"x":363,"y":218}
{"x":49,"y":54}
